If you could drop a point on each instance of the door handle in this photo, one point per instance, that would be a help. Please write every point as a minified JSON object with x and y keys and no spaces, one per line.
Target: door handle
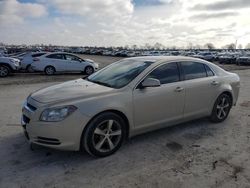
{"x":215,"y":83}
{"x":179,"y":89}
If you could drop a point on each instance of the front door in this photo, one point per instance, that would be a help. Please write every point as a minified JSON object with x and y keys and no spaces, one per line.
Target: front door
{"x":163,"y":104}
{"x":74,"y":63}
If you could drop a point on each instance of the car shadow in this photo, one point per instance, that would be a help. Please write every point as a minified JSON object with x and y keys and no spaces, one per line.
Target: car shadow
{"x":166,"y":143}
{"x":191,"y":131}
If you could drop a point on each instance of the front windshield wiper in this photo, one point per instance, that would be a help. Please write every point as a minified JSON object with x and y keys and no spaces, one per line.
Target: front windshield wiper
{"x":100,"y":83}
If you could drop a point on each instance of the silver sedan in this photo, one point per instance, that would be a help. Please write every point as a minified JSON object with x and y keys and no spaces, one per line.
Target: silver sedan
{"x":126,"y":98}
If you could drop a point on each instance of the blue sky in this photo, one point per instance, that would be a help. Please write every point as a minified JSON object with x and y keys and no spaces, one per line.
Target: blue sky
{"x":125,"y":22}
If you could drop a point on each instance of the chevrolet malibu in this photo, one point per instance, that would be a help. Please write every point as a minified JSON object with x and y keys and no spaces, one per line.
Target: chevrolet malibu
{"x":127,"y":98}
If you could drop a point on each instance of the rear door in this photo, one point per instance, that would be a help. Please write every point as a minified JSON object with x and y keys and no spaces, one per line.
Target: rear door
{"x":58,"y":61}
{"x":201,"y":86}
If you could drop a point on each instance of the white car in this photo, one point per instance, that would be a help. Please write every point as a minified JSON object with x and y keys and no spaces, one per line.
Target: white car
{"x":8,"y":65}
{"x":63,"y":62}
{"x":28,"y":58}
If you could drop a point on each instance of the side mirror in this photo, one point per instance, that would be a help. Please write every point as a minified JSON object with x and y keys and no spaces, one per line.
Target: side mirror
{"x":150,"y":82}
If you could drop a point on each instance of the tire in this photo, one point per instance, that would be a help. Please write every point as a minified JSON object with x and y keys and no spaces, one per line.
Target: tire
{"x":89,"y":70}
{"x":221,"y":109}
{"x":4,"y":71}
{"x":104,"y":135}
{"x":49,"y":70}
{"x":29,"y":69}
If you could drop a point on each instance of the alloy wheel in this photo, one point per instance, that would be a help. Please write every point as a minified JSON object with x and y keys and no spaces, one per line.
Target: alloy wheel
{"x":89,"y":70}
{"x":4,"y":71}
{"x":107,"y":136}
{"x":50,"y":70}
{"x":222,"y":107}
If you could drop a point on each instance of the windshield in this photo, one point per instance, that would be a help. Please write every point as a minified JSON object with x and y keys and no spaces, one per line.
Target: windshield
{"x":119,"y":74}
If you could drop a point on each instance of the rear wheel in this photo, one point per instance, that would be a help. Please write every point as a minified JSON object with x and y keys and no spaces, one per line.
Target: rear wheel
{"x":29,"y":69}
{"x":4,"y":71}
{"x":104,"y":135}
{"x":89,"y":70}
{"x":221,"y":108}
{"x":49,"y":70}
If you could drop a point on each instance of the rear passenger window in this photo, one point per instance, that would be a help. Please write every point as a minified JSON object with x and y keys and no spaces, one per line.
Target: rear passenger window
{"x":38,"y":55}
{"x":193,"y":70}
{"x":209,"y":71}
{"x":166,"y":73}
{"x":56,"y":56}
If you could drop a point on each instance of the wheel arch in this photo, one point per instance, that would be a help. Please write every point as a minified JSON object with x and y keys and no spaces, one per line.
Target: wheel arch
{"x":27,"y":66}
{"x":229,"y":93}
{"x":49,"y":66}
{"x":89,"y":65}
{"x":117,"y":112}
{"x":7,"y":65}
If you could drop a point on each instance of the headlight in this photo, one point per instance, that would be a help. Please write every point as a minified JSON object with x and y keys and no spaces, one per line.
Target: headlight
{"x":57,"y":114}
{"x":16,"y":63}
{"x":96,"y":65}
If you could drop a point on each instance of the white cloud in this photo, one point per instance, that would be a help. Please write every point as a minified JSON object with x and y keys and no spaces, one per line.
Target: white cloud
{"x":96,"y":8}
{"x":12,"y":11}
{"x":118,"y":22}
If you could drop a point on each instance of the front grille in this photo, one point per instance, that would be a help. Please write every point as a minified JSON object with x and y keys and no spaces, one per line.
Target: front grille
{"x":49,"y":141}
{"x":31,"y":107}
{"x":26,"y":120}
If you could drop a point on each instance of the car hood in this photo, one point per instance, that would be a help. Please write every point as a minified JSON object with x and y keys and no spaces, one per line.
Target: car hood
{"x":75,"y":89}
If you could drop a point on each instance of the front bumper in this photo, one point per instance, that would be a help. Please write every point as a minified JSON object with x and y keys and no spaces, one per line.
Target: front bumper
{"x":16,"y":68}
{"x":63,"y":135}
{"x":96,"y":66}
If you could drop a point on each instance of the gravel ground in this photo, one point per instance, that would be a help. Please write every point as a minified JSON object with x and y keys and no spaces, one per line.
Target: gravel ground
{"x":194,"y":154}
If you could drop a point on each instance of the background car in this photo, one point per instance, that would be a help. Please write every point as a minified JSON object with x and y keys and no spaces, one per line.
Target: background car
{"x":28,"y":58}
{"x":243,"y":60}
{"x":63,"y":62}
{"x":209,"y":56}
{"x":8,"y":65}
{"x":127,"y":98}
{"x":227,"y":58}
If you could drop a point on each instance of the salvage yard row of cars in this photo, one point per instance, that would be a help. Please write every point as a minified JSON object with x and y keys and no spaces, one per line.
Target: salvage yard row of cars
{"x":50,"y":63}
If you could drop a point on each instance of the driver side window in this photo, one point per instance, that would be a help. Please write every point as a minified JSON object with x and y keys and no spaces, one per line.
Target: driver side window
{"x":71,"y":58}
{"x":167,"y":73}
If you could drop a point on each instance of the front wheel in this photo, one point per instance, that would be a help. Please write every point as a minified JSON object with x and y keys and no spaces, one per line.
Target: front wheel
{"x":89,"y":70}
{"x":4,"y":71}
{"x":221,"y":108}
{"x":29,"y":69}
{"x":49,"y":70}
{"x":104,"y":135}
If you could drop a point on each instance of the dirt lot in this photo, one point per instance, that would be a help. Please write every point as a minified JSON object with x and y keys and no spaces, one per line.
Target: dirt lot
{"x":194,"y":154}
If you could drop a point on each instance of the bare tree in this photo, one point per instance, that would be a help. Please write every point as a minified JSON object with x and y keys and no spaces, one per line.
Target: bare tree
{"x":158,"y":46}
{"x":209,"y":46}
{"x":230,"y":46}
{"x":247,"y":46}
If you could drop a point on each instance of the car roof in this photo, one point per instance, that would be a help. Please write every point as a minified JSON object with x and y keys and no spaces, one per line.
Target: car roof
{"x":51,"y":53}
{"x":159,"y":59}
{"x":38,"y":52}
